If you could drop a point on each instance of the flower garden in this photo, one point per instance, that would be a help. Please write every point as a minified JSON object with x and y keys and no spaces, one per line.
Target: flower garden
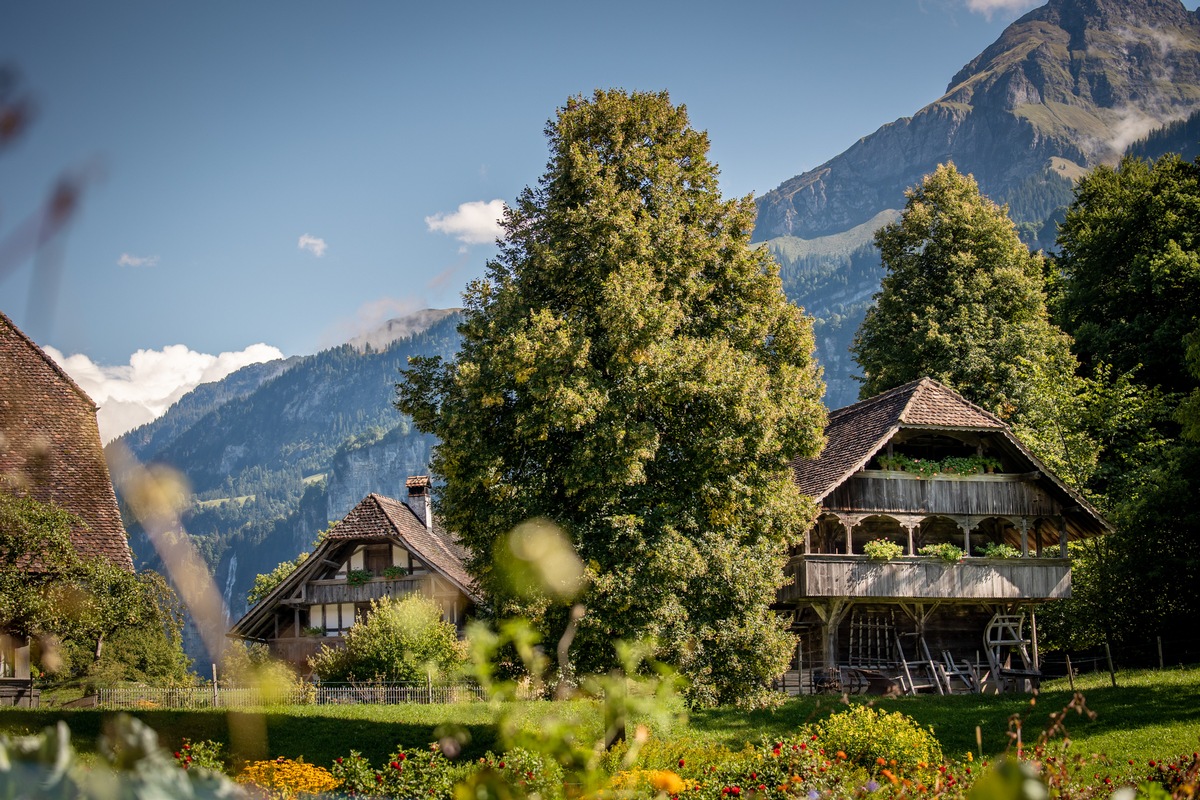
{"x":860,"y":751}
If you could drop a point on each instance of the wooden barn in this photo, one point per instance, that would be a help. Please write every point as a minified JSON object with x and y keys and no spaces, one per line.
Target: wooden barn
{"x":382,"y":548}
{"x":921,"y":468}
{"x":50,"y":450}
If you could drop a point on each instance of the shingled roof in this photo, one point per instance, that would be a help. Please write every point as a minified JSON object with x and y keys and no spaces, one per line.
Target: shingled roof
{"x":50,"y":445}
{"x":382,"y":518}
{"x":375,"y":519}
{"x":857,"y":432}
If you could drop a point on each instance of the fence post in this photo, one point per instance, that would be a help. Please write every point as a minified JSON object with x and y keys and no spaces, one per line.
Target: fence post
{"x":1160,"y":658}
{"x":1070,"y":674}
{"x":1111,"y":672}
{"x":216,"y":696}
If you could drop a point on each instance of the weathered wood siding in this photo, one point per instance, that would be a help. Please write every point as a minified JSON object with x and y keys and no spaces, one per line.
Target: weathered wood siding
{"x":973,"y":579}
{"x":298,"y":649}
{"x":978,"y":495}
{"x":338,"y":591}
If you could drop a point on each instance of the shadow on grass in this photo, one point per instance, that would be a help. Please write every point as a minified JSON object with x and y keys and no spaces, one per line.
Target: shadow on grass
{"x":318,"y":739}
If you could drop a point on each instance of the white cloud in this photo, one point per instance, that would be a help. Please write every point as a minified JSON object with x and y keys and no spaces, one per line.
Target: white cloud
{"x":476,"y":222}
{"x":140,"y":392}
{"x":312,"y":244}
{"x":990,"y":7}
{"x":130,"y":260}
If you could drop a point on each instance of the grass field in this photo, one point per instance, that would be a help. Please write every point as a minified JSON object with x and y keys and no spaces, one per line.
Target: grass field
{"x":1151,"y":715}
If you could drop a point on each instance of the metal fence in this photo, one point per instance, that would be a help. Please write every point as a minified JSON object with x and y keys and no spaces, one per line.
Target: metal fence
{"x":209,"y":696}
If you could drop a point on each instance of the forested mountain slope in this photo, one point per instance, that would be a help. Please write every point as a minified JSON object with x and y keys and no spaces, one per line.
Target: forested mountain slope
{"x":276,"y":451}
{"x":1067,"y":86}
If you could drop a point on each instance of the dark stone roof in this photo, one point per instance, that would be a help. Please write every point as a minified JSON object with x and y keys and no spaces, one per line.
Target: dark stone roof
{"x":50,"y":445}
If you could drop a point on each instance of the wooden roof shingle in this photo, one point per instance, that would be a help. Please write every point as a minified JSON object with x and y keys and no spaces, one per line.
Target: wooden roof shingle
{"x":50,"y":445}
{"x":857,"y":432}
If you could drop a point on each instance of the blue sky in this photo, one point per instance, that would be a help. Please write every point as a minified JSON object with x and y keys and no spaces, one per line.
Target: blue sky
{"x":214,"y":136}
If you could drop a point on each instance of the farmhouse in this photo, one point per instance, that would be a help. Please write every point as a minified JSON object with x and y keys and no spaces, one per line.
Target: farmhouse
{"x":382,"y":548}
{"x":919,"y":467}
{"x":50,"y":450}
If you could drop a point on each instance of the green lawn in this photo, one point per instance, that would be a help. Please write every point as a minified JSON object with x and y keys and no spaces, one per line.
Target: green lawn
{"x":1151,"y":715}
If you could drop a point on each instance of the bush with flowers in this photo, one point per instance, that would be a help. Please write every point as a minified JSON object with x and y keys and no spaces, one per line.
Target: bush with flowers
{"x":867,"y":734}
{"x":204,"y":753}
{"x":284,"y":778}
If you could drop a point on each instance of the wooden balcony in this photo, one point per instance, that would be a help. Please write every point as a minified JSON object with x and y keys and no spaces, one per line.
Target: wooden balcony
{"x":339,"y":591}
{"x":975,"y":495}
{"x":913,"y":578}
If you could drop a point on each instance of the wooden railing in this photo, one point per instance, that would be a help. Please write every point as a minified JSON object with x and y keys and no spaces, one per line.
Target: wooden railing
{"x":928,"y":578}
{"x":339,"y":591}
{"x":975,"y":495}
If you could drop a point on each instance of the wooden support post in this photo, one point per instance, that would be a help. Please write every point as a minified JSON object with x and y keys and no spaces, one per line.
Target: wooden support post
{"x":1024,"y":537}
{"x":911,"y":548}
{"x":1070,"y":673}
{"x":1062,"y":540}
{"x":1160,"y":658}
{"x":1037,"y":664}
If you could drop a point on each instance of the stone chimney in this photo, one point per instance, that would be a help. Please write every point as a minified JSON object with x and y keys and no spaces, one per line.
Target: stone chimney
{"x":420,"y":499}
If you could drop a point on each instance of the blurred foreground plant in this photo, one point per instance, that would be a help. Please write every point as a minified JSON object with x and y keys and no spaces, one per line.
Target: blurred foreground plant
{"x":133,"y":766}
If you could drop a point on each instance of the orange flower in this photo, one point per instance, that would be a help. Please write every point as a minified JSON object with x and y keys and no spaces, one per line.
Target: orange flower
{"x":841,"y":755}
{"x":887,"y":773}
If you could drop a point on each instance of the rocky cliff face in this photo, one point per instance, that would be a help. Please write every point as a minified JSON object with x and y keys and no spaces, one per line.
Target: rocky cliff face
{"x":378,"y":466}
{"x":1067,"y":86}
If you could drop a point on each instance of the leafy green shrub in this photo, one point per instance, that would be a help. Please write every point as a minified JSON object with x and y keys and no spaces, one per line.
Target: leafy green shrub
{"x":357,"y":577}
{"x":866,"y":735}
{"x":356,"y":774}
{"x":993,"y":550}
{"x":951,"y":554}
{"x":205,"y":753}
{"x":882,"y":550}
{"x":131,"y":765}
{"x":400,"y":640}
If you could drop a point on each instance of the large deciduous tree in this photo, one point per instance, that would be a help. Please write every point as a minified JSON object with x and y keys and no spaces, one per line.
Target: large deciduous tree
{"x":631,"y":370}
{"x":1130,"y":257}
{"x":1130,"y":263}
{"x":963,"y":301}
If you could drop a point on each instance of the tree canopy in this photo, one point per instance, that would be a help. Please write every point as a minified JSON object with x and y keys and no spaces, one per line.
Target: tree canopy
{"x":1130,"y":258}
{"x":1130,"y":295}
{"x":631,"y":370}
{"x":95,"y":619}
{"x":963,"y":301}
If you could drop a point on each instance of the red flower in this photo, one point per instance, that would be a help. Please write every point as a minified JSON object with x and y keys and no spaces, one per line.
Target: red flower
{"x":501,"y":765}
{"x":401,"y":756}
{"x":681,"y":762}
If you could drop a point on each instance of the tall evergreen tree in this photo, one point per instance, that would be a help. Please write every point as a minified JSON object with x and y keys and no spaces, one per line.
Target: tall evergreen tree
{"x":631,"y":370}
{"x":963,"y":301}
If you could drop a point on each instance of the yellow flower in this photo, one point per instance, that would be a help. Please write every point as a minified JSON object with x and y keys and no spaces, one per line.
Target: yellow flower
{"x":665,"y":781}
